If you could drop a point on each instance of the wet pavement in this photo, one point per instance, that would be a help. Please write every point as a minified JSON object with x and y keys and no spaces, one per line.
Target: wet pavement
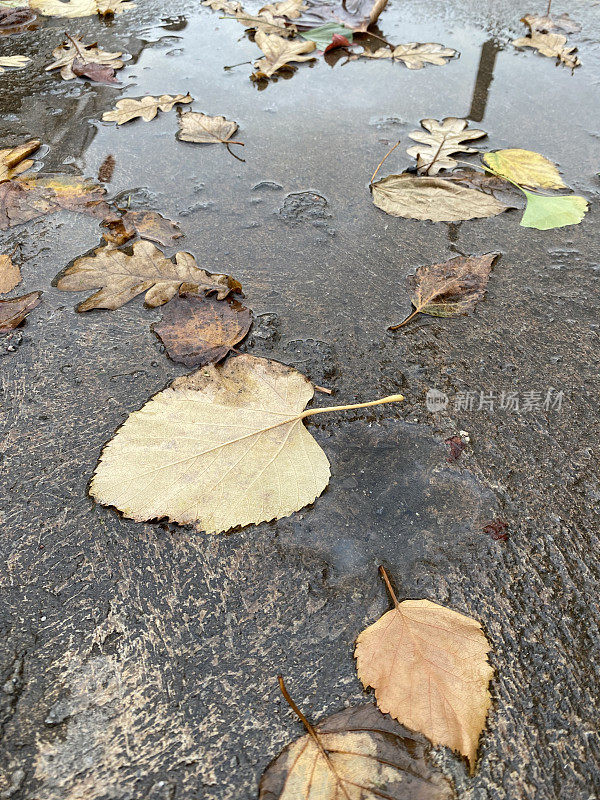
{"x":140,"y":660}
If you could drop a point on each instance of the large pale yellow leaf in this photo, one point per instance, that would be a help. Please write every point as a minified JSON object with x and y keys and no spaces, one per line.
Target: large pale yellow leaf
{"x":439,"y":141}
{"x":429,"y":667}
{"x":279,"y":52}
{"x":222,"y":447}
{"x":525,"y":168}
{"x":14,"y":161}
{"x":551,"y":45}
{"x":14,"y":62}
{"x":420,"y":197}
{"x":146,"y":107}
{"x":197,"y":127}
{"x":414,"y":54}
{"x":79,"y":8}
{"x":123,"y":276}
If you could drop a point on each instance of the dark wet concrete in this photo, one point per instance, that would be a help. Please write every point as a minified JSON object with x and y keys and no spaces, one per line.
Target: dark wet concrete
{"x":139,"y":661}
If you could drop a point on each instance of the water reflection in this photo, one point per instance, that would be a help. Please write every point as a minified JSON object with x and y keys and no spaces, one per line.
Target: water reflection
{"x":484,"y":78}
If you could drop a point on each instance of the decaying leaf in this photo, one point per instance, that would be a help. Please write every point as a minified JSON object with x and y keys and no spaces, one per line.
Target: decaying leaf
{"x":525,"y":168}
{"x":543,"y":212}
{"x":499,"y":188}
{"x":267,"y":23}
{"x":436,"y":199}
{"x":355,"y":14}
{"x":291,"y":9}
{"x":75,"y":51}
{"x":10,"y":274}
{"x":324,"y":35}
{"x":146,"y":107}
{"x":545,"y":24}
{"x":449,"y":289}
{"x":13,"y":62}
{"x":14,"y":161}
{"x":15,"y":20}
{"x":440,"y":141}
{"x":430,"y":671}
{"x":202,"y":330}
{"x":357,"y":754}
{"x":222,"y":447}
{"x":415,"y":55}
{"x":226,"y":6}
{"x":13,"y":312}
{"x":79,"y":8}
{"x":123,"y":276}
{"x":551,"y":45}
{"x":197,"y":127}
{"x":279,"y":52}
{"x":147,"y":224}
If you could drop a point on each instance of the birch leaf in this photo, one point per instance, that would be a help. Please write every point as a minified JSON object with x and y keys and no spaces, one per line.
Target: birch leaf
{"x":415,"y":55}
{"x":15,"y":62}
{"x":74,"y":50}
{"x":525,"y":168}
{"x":14,"y":311}
{"x":122,"y":277}
{"x":420,"y":197}
{"x":222,"y":447}
{"x":428,"y":665}
{"x":14,"y":161}
{"x":146,"y":107}
{"x":197,"y":127}
{"x":543,"y":212}
{"x":10,"y":275}
{"x":551,"y":45}
{"x":440,"y":141}
{"x":279,"y":52}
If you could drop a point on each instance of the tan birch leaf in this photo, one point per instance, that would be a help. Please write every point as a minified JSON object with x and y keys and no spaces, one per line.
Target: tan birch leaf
{"x":356,"y":754}
{"x":14,"y":311}
{"x":121,"y":277}
{"x":197,"y":127}
{"x":440,"y":141}
{"x":279,"y":52}
{"x":429,"y":667}
{"x":436,"y":199}
{"x":75,"y":51}
{"x":414,"y":54}
{"x":10,"y":275}
{"x":146,"y":107}
{"x":222,"y":447}
{"x":14,"y":161}
{"x":13,"y":62}
{"x":525,"y":167}
{"x":79,"y":8}
{"x":551,"y":45}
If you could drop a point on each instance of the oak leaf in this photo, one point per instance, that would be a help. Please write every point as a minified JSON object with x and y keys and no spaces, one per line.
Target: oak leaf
{"x":14,"y":62}
{"x":287,"y":8}
{"x":429,"y":667}
{"x":197,"y":127}
{"x":440,"y":141}
{"x":14,"y":311}
{"x":202,"y":330}
{"x":226,"y":6}
{"x":222,"y":447}
{"x":414,"y":54}
{"x":74,"y":50}
{"x":147,"y":224}
{"x":356,"y":754}
{"x":122,"y":277}
{"x":10,"y":274}
{"x":279,"y":52}
{"x":451,"y":288}
{"x":551,"y":45}
{"x":79,"y":8}
{"x":14,"y":161}
{"x":525,"y":167}
{"x":146,"y":107}
{"x":546,"y":24}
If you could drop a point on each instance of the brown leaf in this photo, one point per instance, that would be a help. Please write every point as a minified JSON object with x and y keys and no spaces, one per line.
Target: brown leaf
{"x":356,"y":754}
{"x":451,"y":288}
{"x":551,"y":45}
{"x":14,"y":20}
{"x":502,"y":190}
{"x":14,"y":161}
{"x":202,"y":330}
{"x":197,"y":127}
{"x":106,"y":169}
{"x":279,"y":52}
{"x":147,"y":224}
{"x":122,"y":277}
{"x":414,"y":54}
{"x":73,"y":50}
{"x":13,"y":312}
{"x":337,"y":40}
{"x":10,"y":275}
{"x":546,"y":24}
{"x":145,"y":107}
{"x":428,"y":665}
{"x":456,"y":445}
{"x":101,"y":73}
{"x":355,"y":14}
{"x":440,"y":141}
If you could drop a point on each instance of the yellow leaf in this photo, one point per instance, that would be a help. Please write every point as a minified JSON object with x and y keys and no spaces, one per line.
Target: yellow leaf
{"x":222,"y":447}
{"x":146,"y":107}
{"x":79,"y":8}
{"x":429,"y":668}
{"x":16,"y":62}
{"x":414,"y":54}
{"x":10,"y":275}
{"x":279,"y":52}
{"x":525,"y":168}
{"x":14,"y":161}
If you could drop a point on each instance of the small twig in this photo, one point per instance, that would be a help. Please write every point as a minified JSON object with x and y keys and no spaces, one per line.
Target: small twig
{"x":322,"y":389}
{"x":231,"y":151}
{"x":382,"y":160}
{"x":76,"y":45}
{"x":241,"y":64}
{"x":548,"y":9}
{"x":389,"y":586}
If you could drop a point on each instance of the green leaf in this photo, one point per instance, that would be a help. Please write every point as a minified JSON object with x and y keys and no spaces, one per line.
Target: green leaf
{"x":543,"y":212}
{"x":323,"y":35}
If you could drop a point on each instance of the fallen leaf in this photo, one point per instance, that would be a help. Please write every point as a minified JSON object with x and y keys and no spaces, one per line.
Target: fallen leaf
{"x":337,"y":41}
{"x":287,"y":8}
{"x":355,"y":14}
{"x":456,"y":445}
{"x":449,"y":289}
{"x":100,"y":73}
{"x":223,"y":5}
{"x":551,"y":45}
{"x":74,"y":49}
{"x":79,"y":8}
{"x":14,"y":161}
{"x":202,"y":330}
{"x":355,"y":754}
{"x":14,"y":20}
{"x":122,"y":277}
{"x":267,"y":23}
{"x":10,"y":275}
{"x":415,"y":55}
{"x":146,"y":107}
{"x":323,"y":36}
{"x":499,"y":188}
{"x":525,"y":168}
{"x":106,"y":169}
{"x":15,"y":62}
{"x":197,"y":127}
{"x":430,"y":671}
{"x":498,"y":530}
{"x":222,"y":447}
{"x":147,"y":224}
{"x":545,"y":24}
{"x":279,"y":52}
{"x":543,"y":212}
{"x":13,"y":312}
{"x":440,"y":142}
{"x":436,"y":199}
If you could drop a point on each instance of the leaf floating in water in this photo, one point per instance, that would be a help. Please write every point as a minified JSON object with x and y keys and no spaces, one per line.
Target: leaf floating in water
{"x":440,"y":141}
{"x":147,"y":224}
{"x":145,"y":108}
{"x":357,"y":15}
{"x":79,"y":8}
{"x":279,"y":52}
{"x":525,"y":168}
{"x":13,"y":62}
{"x":14,"y":20}
{"x":197,"y":127}
{"x":543,"y":212}
{"x":546,"y":24}
{"x":323,"y":35}
{"x":74,"y":57}
{"x":13,"y":312}
{"x":10,"y":275}
{"x":414,"y":55}
{"x":14,"y":161}
{"x":551,"y":45}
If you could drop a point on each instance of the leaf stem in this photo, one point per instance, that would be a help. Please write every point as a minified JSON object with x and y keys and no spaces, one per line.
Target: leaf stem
{"x":392,"y":398}
{"x":404,"y":321}
{"x":389,"y":585}
{"x":382,"y":160}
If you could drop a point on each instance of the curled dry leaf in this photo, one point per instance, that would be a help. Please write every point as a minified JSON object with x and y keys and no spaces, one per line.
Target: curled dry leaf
{"x":79,"y":8}
{"x":222,"y":447}
{"x":440,"y":141}
{"x":202,"y":330}
{"x":197,"y":127}
{"x":15,"y":20}
{"x":551,"y":45}
{"x":436,"y":199}
{"x":356,"y":754}
{"x":415,"y":55}
{"x":546,"y":24}
{"x":499,"y":188}
{"x":525,"y":168}
{"x":226,"y":6}
{"x":279,"y":52}
{"x":122,"y":277}
{"x":13,"y":312}
{"x":429,"y":667}
{"x":451,"y":288}
{"x":147,"y":224}
{"x":74,"y":50}
{"x":10,"y":275}
{"x":291,"y":9}
{"x":355,"y":14}
{"x":14,"y":62}
{"x":146,"y":107}
{"x":14,"y":161}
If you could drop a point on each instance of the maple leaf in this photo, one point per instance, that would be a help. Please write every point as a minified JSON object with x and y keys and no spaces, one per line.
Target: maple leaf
{"x":279,"y":52}
{"x":14,"y":161}
{"x":146,"y":107}
{"x":222,"y":447}
{"x":356,"y":754}
{"x":10,"y":274}
{"x":449,"y":289}
{"x":14,"y":311}
{"x":74,"y":50}
{"x":122,"y":277}
{"x":414,"y":54}
{"x":14,"y":62}
{"x":428,"y":665}
{"x":551,"y":45}
{"x":79,"y":8}
{"x":440,"y":141}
